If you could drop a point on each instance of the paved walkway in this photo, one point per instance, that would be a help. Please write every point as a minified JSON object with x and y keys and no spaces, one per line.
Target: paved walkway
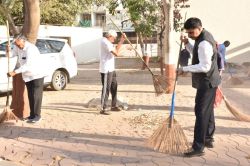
{"x":8,"y":163}
{"x":73,"y":134}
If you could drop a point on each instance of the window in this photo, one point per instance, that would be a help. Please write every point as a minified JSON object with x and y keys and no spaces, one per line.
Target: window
{"x":42,"y":47}
{"x":55,"y":46}
{"x":100,"y":19}
{"x":85,"y":20}
{"x":49,"y":46}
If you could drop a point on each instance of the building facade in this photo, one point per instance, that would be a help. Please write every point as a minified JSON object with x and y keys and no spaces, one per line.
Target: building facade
{"x":225,"y":19}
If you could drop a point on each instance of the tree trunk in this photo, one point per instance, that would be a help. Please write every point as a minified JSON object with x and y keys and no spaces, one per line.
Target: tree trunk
{"x":167,"y":44}
{"x":143,"y":48}
{"x":160,"y":35}
{"x":141,"y":42}
{"x":20,"y":102}
{"x":145,"y":57}
{"x":31,"y":19}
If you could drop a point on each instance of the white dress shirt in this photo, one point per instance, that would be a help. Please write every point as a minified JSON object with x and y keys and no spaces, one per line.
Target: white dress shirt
{"x":107,"y":60}
{"x":28,"y":62}
{"x":205,"y":53}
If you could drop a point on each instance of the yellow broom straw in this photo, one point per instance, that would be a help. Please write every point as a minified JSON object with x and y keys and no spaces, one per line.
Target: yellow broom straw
{"x":7,"y":114}
{"x":236,"y":113}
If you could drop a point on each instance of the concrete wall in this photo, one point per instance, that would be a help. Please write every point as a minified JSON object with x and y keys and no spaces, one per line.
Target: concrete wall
{"x":226,"y":20}
{"x":85,"y":42}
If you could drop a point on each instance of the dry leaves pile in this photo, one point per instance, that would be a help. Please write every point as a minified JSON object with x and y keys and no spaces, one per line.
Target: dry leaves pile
{"x":146,"y":120}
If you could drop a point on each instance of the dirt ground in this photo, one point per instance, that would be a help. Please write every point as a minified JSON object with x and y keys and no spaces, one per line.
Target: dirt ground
{"x":71,"y":133}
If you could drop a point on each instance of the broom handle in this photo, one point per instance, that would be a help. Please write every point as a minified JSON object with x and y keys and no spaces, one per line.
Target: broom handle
{"x":137,"y":53}
{"x":8,"y":59}
{"x":171,"y":117}
{"x":221,"y":93}
{"x":230,"y":70}
{"x":178,"y":64}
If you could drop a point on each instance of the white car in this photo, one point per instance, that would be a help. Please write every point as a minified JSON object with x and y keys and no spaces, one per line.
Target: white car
{"x":60,"y":62}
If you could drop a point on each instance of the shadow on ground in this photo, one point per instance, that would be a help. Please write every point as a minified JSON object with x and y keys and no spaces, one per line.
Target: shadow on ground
{"x":57,"y":141}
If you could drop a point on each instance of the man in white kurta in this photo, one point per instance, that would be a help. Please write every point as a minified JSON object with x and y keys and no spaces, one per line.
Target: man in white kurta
{"x":29,"y":64}
{"x":107,"y":70}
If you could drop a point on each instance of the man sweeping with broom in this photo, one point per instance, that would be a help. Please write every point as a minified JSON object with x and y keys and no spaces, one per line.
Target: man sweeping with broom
{"x":205,"y":78}
{"x":31,"y":66}
{"x":107,"y":70}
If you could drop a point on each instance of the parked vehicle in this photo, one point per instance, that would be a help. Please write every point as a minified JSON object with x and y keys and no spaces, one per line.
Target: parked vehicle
{"x":60,"y":63}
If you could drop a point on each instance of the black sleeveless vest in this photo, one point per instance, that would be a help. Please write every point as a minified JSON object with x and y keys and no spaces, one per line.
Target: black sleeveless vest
{"x":212,"y":78}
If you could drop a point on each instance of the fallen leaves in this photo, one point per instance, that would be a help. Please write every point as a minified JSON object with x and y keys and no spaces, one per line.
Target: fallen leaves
{"x":146,"y":120}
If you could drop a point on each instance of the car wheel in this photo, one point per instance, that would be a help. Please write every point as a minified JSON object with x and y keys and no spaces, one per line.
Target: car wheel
{"x":59,"y":80}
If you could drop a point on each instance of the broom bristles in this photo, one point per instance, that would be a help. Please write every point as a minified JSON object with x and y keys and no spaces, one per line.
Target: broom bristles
{"x":234,"y":81}
{"x":161,"y":84}
{"x":236,"y":113}
{"x":167,"y":139}
{"x":3,"y":116}
{"x":7,"y":115}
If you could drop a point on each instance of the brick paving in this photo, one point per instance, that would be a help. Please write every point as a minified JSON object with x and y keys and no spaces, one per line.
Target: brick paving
{"x":73,"y":134}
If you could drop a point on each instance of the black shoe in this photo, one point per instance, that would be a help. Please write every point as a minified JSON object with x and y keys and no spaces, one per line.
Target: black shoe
{"x":116,"y":109}
{"x":35,"y":120}
{"x":104,"y":112}
{"x":194,"y":153}
{"x":28,"y":118}
{"x":209,"y":144}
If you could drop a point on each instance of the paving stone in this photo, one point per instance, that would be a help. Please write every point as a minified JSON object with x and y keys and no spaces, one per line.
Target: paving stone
{"x":86,"y":138}
{"x":86,"y":159}
{"x":44,"y":162}
{"x":9,"y":163}
{"x":20,"y":155}
{"x":68,"y":162}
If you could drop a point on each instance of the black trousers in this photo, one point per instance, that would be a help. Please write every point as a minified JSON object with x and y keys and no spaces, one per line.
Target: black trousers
{"x":35,"y":95}
{"x":205,"y":122}
{"x":109,"y":84}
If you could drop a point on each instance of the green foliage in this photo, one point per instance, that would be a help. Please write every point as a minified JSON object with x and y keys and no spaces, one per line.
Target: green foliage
{"x":9,"y":5}
{"x":17,"y":12}
{"x":143,"y":15}
{"x":2,"y":21}
{"x":60,"y":12}
{"x":56,"y":12}
{"x":112,"y":6}
{"x":178,"y":6}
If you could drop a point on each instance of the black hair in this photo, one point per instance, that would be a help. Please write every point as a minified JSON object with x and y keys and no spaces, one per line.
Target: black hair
{"x":226,"y":43}
{"x":192,"y":23}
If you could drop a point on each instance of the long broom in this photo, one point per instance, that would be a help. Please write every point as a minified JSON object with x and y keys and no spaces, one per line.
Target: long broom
{"x":169,"y":137}
{"x":161,"y":83}
{"x":7,"y":113}
{"x":236,"y":113}
{"x":232,"y":79}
